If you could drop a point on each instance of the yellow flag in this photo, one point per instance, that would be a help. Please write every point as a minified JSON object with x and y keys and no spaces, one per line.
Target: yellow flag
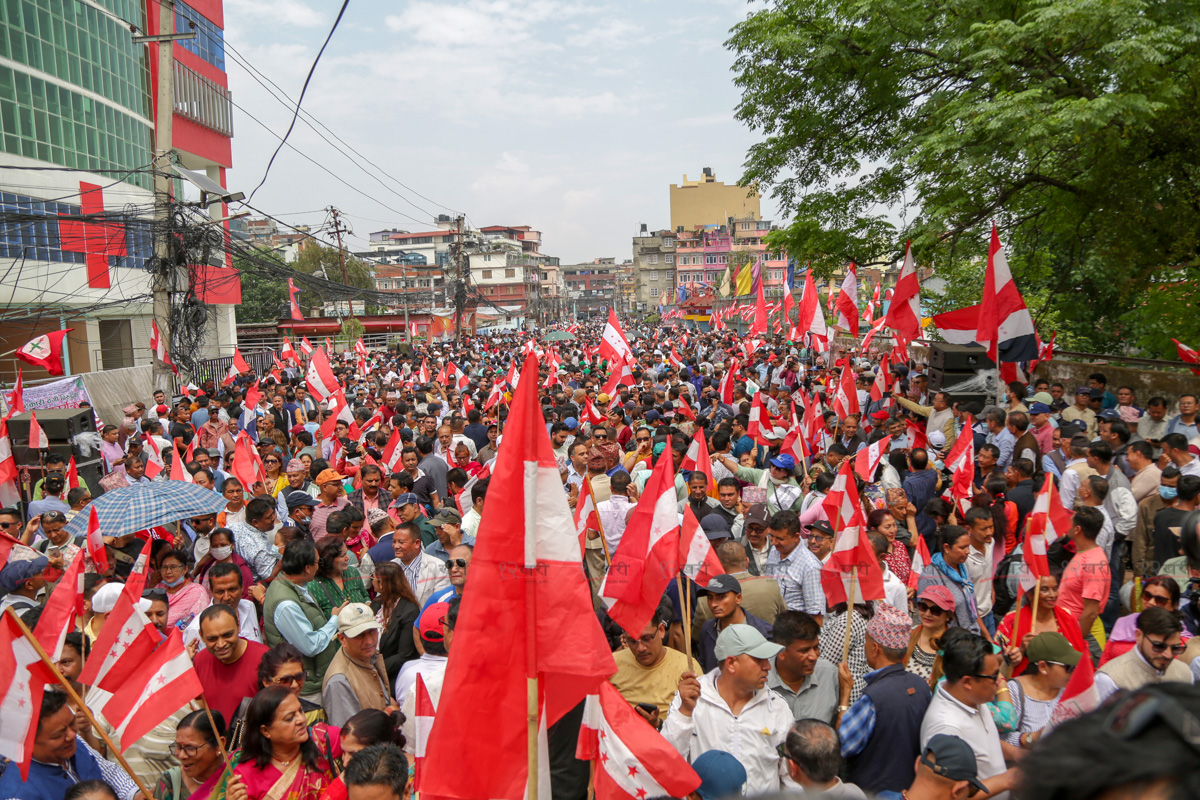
{"x":745,"y":281}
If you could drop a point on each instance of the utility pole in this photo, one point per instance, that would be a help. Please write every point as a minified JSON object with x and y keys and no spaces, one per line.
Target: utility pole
{"x":162,"y":277}
{"x":460,"y":289}
{"x":404,"y":277}
{"x":338,"y":230}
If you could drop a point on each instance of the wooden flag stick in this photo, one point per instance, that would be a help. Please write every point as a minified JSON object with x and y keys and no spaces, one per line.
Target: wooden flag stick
{"x":849,"y":611}
{"x":87,"y":712}
{"x":220,"y":739}
{"x":685,"y":608}
{"x":531,"y":689}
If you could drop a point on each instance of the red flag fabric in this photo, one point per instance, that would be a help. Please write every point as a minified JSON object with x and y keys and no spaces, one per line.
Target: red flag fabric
{"x":851,"y":548}
{"x":393,"y":452}
{"x":37,"y":437}
{"x":586,"y":516}
{"x":126,"y":629}
{"x":178,"y":472}
{"x":621,"y":375}
{"x":306,"y":346}
{"x":633,"y":761}
{"x":916,"y":435}
{"x":425,"y":712}
{"x":648,"y":557}
{"x":154,"y":460}
{"x":137,"y":576}
{"x":159,"y":347}
{"x":904,"y":313}
{"x":613,"y":344}
{"x":496,"y":395}
{"x":697,"y":559}
{"x":591,"y":414}
{"x":527,"y":561}
{"x":319,"y":377}
{"x":45,"y":351}
{"x":920,"y":560}
{"x":759,"y":424}
{"x":882,"y":386}
{"x":727,"y":382}
{"x":359,"y":347}
{"x":16,"y":400}
{"x":247,"y":465}
{"x":294,"y":302}
{"x":760,"y":312}
{"x":59,"y":614}
{"x":845,"y":399}
{"x":1187,"y":354}
{"x":1046,"y":524}
{"x":1005,"y":325}
{"x":847,"y":302}
{"x":339,"y":409}
{"x":239,"y":363}
{"x":868,"y":458}
{"x":1078,"y":697}
{"x":95,"y":543}
{"x":155,"y":689}
{"x":697,"y":458}
{"x":961,"y":463}
{"x":810,"y":318}
{"x":23,"y":679}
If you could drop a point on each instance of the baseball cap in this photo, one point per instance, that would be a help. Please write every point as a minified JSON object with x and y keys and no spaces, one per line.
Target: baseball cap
{"x":296,"y":429}
{"x":298,"y":499}
{"x":406,"y":499}
{"x":952,"y":758}
{"x":715,"y":526}
{"x":16,"y":573}
{"x":1043,"y":397}
{"x":1052,"y":646}
{"x":738,"y":640}
{"x":356,"y":619}
{"x":1096,"y":394}
{"x":1110,"y":414}
{"x":721,"y":775}
{"x":430,"y":623}
{"x":784,"y":461}
{"x":820,"y":525}
{"x":446,"y":516}
{"x":1039,"y":408}
{"x":571,"y":423}
{"x":653,"y":416}
{"x":1084,"y":390}
{"x":756,"y":514}
{"x":939,"y":595}
{"x":328,"y":475}
{"x":720,"y":584}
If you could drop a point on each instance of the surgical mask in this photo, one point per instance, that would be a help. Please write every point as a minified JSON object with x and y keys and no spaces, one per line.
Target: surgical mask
{"x":278,"y":550}
{"x":221,"y":553}
{"x":1168,"y":492}
{"x":174,"y":583}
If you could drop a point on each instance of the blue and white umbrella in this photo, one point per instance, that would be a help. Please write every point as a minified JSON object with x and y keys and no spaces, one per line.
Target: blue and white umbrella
{"x":142,"y":506}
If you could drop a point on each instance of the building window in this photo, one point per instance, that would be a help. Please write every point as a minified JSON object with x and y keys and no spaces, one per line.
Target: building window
{"x":44,"y":240}
{"x":116,"y":344}
{"x":209,"y":43}
{"x":510,"y":273}
{"x":654,"y":259}
{"x":654,"y":276}
{"x":487,"y":274}
{"x":668,"y":242}
{"x":654,"y":291}
{"x":670,"y":259}
{"x":545,"y":276}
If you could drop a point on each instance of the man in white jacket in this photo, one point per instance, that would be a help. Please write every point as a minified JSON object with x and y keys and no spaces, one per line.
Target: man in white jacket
{"x":731,"y":709}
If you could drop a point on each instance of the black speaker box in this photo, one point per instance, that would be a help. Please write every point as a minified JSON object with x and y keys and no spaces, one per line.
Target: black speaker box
{"x":940,"y":378}
{"x":61,"y":424}
{"x":958,"y":358}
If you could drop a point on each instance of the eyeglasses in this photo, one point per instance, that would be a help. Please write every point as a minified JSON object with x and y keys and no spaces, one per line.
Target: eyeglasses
{"x":643,"y":438}
{"x":8,"y":524}
{"x":1140,"y":709}
{"x":930,"y":608}
{"x":298,"y":679}
{"x":995,"y":676}
{"x":461,"y":563}
{"x":1176,"y":649}
{"x":170,"y":567}
{"x":188,"y":750}
{"x":782,"y":750}
{"x":1156,"y":599}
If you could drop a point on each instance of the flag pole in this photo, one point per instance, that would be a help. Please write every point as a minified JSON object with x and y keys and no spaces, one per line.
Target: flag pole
{"x":87,"y":712}
{"x":220,"y":739}
{"x":685,"y":613}
{"x":849,"y":611}
{"x":531,"y":690}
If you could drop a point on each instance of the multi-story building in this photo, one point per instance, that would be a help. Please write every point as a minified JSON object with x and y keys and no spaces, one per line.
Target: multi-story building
{"x":77,"y":99}
{"x":653,"y":270}
{"x":591,"y":288}
{"x":707,"y":201}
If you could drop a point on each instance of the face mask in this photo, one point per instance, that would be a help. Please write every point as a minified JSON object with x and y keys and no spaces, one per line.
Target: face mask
{"x":174,"y":583}
{"x":221,"y":553}
{"x":1168,"y":492}
{"x":278,"y":550}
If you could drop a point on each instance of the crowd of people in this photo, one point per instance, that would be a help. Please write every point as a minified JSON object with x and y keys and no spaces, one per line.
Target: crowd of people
{"x":332,"y":580}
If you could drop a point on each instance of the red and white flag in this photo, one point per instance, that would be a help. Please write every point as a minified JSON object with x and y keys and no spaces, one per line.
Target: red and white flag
{"x":904,"y":313}
{"x":155,"y":689}
{"x":339,"y":409}
{"x":920,"y":560}
{"x":126,"y":629}
{"x":94,"y":543}
{"x":288,"y":352}
{"x":633,"y":761}
{"x":613,"y":344}
{"x":45,"y":351}
{"x":961,"y":463}
{"x":882,"y":386}
{"x":648,"y":557}
{"x":1188,"y":355}
{"x":591,"y":414}
{"x":621,"y":375}
{"x":760,"y":423}
{"x":239,"y":363}
{"x":728,"y":381}
{"x":178,"y":471}
{"x":587,"y":518}
{"x":1079,"y":696}
{"x":697,"y":559}
{"x":73,"y":481}
{"x":847,"y":302}
{"x":810,"y":318}
{"x":294,"y":302}
{"x":527,"y":559}
{"x":159,"y":347}
{"x":319,"y":377}
{"x":916,"y":435}
{"x":759,"y":326}
{"x":23,"y":679}
{"x":868,"y":458}
{"x":37,"y":436}
{"x":359,"y":347}
{"x":697,"y":458}
{"x":496,"y":395}
{"x":393,"y":452}
{"x":230,"y":376}
{"x":16,"y":400}
{"x":424,"y":713}
{"x":1048,"y":522}
{"x":61,"y":610}
{"x":845,"y":399}
{"x":154,"y":460}
{"x":423,"y":373}
{"x":852,"y":551}
{"x":1005,"y":325}
{"x":306,"y":346}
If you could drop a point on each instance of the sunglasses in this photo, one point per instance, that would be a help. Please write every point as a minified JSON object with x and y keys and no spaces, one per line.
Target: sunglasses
{"x":1158,"y":647}
{"x":930,"y":608}
{"x":298,"y":678}
{"x":1157,"y":599}
{"x":1068,"y":667}
{"x":995,"y":676}
{"x":461,"y":563}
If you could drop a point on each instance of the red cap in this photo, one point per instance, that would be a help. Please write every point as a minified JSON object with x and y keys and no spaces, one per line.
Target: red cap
{"x":430,"y":623}
{"x":297,"y":429}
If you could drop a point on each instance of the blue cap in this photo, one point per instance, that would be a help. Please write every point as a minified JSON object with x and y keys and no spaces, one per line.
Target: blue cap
{"x":571,"y":423}
{"x":721,"y":774}
{"x":1039,"y":408}
{"x":784,"y":461}
{"x":406,"y":499}
{"x":715,"y":526}
{"x":653,"y":416}
{"x":16,"y":573}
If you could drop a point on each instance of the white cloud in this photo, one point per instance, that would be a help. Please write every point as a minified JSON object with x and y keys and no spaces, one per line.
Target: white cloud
{"x":276,"y":12}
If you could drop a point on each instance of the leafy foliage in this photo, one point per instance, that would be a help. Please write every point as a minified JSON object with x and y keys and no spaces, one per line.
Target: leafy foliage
{"x":1070,"y":123}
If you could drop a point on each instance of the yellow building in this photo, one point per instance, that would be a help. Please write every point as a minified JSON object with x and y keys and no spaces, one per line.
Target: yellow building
{"x":707,"y":201}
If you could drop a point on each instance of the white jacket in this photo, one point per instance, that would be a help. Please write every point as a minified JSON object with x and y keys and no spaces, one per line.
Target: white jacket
{"x":752,"y":736}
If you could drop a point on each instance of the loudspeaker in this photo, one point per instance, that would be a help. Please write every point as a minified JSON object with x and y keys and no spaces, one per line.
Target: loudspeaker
{"x":958,"y":358}
{"x":939,"y":378}
{"x":26,"y":456}
{"x":60,"y":424}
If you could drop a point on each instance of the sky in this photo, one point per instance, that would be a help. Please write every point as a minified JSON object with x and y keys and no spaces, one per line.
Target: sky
{"x":572,"y":117}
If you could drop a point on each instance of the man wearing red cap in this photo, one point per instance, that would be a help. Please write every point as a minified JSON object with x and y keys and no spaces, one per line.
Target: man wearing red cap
{"x":431,"y":666}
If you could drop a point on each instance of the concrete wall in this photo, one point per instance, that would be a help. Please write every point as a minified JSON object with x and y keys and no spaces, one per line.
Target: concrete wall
{"x":1146,"y":382}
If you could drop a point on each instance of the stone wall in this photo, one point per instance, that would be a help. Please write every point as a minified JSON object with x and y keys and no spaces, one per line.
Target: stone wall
{"x":1146,"y":382}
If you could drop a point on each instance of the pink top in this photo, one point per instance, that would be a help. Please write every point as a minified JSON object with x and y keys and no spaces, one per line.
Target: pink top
{"x":185,"y":604}
{"x":1085,"y":578}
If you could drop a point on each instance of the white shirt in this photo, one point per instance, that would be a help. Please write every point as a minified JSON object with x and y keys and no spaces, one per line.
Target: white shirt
{"x":973,"y":725}
{"x":247,"y":625}
{"x":1069,"y":484}
{"x":612,"y":513}
{"x":470,"y":522}
{"x":426,"y":666}
{"x":980,"y":570}
{"x":894,"y":591}
{"x":750,"y":736}
{"x":1191,"y":468}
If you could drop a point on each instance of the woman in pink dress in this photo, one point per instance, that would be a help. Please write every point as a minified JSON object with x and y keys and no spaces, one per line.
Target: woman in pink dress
{"x":279,"y":759}
{"x":185,"y":597}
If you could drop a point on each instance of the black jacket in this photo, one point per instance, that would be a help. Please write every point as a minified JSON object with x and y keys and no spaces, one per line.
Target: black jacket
{"x":396,"y":643}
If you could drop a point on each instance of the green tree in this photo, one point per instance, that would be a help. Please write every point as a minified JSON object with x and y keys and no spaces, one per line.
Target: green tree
{"x":1070,"y":123}
{"x":323,"y":262}
{"x":263,"y":297}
